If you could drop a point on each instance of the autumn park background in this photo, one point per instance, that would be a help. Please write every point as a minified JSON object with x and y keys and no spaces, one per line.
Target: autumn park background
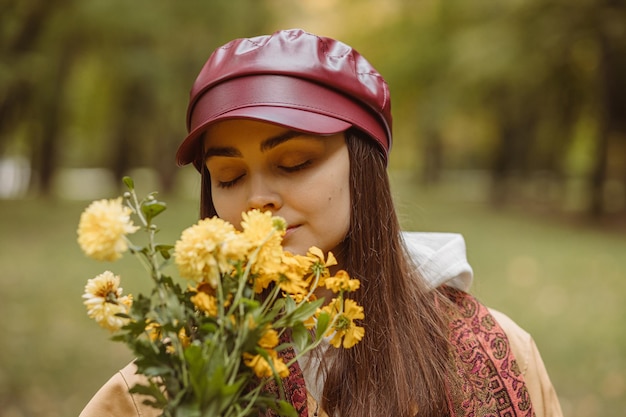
{"x":509,"y":127}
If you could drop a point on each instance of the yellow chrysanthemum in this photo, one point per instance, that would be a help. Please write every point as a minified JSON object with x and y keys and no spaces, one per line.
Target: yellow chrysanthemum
{"x":320,"y":264}
{"x":264,"y":231}
{"x":317,"y":255}
{"x":185,"y":341}
{"x":257,"y":226}
{"x":234,"y":248}
{"x":341,"y":282}
{"x":102,"y":229}
{"x":298,"y":263}
{"x":262,"y":368}
{"x":292,"y":279}
{"x":269,"y":340}
{"x":346,"y":332}
{"x":153,"y":330}
{"x":205,"y":299}
{"x":104,"y":300}
{"x":205,"y":302}
{"x":262,"y":281}
{"x":196,"y":253}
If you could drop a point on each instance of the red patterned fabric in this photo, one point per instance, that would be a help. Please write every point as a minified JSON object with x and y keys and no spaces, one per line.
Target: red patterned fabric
{"x":490,"y":381}
{"x":294,"y":386}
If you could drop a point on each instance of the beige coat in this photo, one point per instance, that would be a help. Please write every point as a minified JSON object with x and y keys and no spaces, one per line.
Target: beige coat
{"x":113,"y":399}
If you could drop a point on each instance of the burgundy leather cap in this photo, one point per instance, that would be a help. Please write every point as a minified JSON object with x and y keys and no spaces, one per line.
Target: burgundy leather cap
{"x":291,"y":78}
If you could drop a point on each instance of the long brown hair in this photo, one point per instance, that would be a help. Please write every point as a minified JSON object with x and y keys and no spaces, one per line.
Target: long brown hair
{"x":402,"y":365}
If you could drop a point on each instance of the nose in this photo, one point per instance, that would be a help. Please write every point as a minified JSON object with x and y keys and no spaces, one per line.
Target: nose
{"x":263,"y":195}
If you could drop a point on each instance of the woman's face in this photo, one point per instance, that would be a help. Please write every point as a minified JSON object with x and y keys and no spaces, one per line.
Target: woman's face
{"x":302,"y":178}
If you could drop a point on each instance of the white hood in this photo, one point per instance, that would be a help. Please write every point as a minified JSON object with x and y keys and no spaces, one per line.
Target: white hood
{"x":440,"y":258}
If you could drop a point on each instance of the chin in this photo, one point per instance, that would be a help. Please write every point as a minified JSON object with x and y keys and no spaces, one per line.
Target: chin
{"x":295,"y":250}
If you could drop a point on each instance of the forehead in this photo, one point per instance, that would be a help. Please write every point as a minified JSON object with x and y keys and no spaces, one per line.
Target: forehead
{"x":231,"y":132}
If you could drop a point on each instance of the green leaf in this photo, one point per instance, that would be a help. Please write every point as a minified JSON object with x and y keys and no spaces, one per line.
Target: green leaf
{"x":164,"y":250}
{"x":290,"y":305}
{"x":250,"y":304}
{"x":300,"y":336}
{"x":130,"y":184}
{"x":208,"y":327}
{"x":285,"y":409}
{"x":281,"y":407}
{"x":188,"y":410}
{"x":156,"y":370}
{"x":153,"y":391}
{"x":136,"y":248}
{"x":323,"y":320}
{"x":301,"y":313}
{"x":152,"y":208}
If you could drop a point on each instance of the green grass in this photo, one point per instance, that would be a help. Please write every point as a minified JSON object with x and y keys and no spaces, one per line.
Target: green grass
{"x":563,"y":283}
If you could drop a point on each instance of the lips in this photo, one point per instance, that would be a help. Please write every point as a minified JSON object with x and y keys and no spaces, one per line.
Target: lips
{"x":291,"y":229}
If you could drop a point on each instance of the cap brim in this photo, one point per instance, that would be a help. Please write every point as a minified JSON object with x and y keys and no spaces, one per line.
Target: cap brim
{"x":302,"y":121}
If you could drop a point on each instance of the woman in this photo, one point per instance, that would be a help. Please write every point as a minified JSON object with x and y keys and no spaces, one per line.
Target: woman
{"x":301,"y":125}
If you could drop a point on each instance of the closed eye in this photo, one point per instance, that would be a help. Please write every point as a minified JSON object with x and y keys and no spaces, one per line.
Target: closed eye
{"x":298,"y":167}
{"x":229,"y":183}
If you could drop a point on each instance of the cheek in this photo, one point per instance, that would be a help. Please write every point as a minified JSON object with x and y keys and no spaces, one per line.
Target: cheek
{"x":339,"y":202}
{"x":343,"y":208}
{"x":227,"y":207}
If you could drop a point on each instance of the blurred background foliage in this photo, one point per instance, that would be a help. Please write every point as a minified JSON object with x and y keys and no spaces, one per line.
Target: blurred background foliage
{"x":529,"y":95}
{"x":502,"y":110}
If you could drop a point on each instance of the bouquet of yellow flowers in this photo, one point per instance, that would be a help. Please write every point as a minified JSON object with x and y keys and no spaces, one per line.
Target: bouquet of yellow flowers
{"x":211,"y":346}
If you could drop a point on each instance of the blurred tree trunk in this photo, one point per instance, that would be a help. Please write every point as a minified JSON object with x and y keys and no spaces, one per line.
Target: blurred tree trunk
{"x":51,"y":119}
{"x":611,"y":107}
{"x":432,"y":151}
{"x":514,"y":151}
{"x":121,"y":150}
{"x":598,"y":174}
{"x":12,"y":108}
{"x":502,"y":164}
{"x":16,"y":95}
{"x":134,"y":123}
{"x":165,"y":162}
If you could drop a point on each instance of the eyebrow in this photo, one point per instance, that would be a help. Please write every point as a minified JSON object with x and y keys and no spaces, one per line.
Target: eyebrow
{"x":266,"y":145}
{"x":274,"y":141}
